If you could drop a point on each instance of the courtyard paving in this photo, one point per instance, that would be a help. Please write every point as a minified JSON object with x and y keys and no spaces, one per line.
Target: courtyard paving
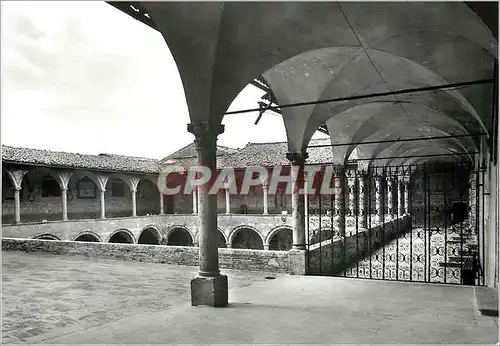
{"x":79,"y":300}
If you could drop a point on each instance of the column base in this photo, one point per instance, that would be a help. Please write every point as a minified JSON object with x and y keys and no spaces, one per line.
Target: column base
{"x":211,"y":291}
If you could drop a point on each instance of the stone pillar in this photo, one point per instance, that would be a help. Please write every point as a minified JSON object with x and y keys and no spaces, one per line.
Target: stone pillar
{"x":133,"y":184}
{"x":199,"y":205}
{"x":379,"y":212}
{"x":162,"y":208}
{"x":102,"y":180}
{"x":340,"y":185}
{"x":362,"y":205}
{"x":16,"y":177}
{"x":228,"y":201}
{"x":103,"y":204}
{"x":306,"y":207}
{"x":17,"y":205}
{"x":134,"y":202}
{"x":63,"y":178}
{"x":265,"y":188}
{"x":210,"y":287}
{"x":195,"y":201}
{"x":390,"y":209}
{"x":297,"y":161}
{"x":64,"y":197}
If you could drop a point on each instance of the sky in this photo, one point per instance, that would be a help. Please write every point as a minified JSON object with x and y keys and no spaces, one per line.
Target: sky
{"x":85,"y":77}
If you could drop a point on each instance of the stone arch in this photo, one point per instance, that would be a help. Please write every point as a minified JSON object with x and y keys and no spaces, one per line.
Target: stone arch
{"x":273,"y":242}
{"x":222,"y":238}
{"x":88,"y":236}
{"x":254,"y":239}
{"x":46,"y":236}
{"x":118,"y":196}
{"x":85,"y":206}
{"x":121,"y":235}
{"x":150,"y":235}
{"x":179,"y":235}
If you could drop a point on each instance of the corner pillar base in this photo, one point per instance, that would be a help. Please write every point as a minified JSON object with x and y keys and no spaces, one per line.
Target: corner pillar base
{"x":211,"y":291}
{"x":297,"y":262}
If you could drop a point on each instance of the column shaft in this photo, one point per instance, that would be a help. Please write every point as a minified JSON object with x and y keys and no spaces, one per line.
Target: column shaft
{"x":17,"y":205}
{"x":228,"y":202}
{"x":64,"y":196}
{"x":134,"y":202}
{"x":206,"y":139}
{"x":103,"y":205}
{"x":298,"y":208}
{"x":162,"y":208}
{"x":264,"y":193}
{"x":195,"y":201}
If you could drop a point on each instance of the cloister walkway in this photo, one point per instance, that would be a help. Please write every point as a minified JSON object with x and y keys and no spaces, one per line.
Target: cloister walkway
{"x":77,"y":300}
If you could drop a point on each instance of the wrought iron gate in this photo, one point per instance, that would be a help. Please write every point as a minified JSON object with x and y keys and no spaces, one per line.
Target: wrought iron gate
{"x":409,"y":223}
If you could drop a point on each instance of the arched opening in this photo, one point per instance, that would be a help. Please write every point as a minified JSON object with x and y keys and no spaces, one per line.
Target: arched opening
{"x":88,"y":238}
{"x":281,"y":240}
{"x":121,"y":237}
{"x":8,"y":191}
{"x":180,"y":237}
{"x":149,"y":236}
{"x":118,"y":198}
{"x":148,"y":198}
{"x":83,"y":197}
{"x":47,"y":236}
{"x":247,"y":238}
{"x":222,"y":240}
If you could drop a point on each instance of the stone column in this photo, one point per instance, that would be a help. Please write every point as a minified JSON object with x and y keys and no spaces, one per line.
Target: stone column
{"x":103,"y":204}
{"x":63,"y":178}
{"x":340,"y":184}
{"x":162,"y":208}
{"x":17,"y":205}
{"x":306,"y":208}
{"x":297,"y":161}
{"x":64,"y":197}
{"x":133,"y":184}
{"x":390,"y":209}
{"x":265,"y":188}
{"x":362,"y":205}
{"x":134,"y":202}
{"x":210,"y":287}
{"x":199,"y":206}
{"x":195,"y":201}
{"x":102,"y":180}
{"x":16,"y":176}
{"x":228,"y":201}
{"x":379,"y":213}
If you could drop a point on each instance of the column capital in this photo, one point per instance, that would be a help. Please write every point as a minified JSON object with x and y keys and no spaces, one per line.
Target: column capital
{"x":63,"y":177}
{"x":297,"y":159}
{"x":102,"y":180}
{"x":205,"y":133}
{"x":16,"y":176}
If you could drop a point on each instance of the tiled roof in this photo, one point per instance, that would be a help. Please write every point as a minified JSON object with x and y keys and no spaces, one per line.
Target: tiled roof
{"x":253,"y":154}
{"x":262,"y":154}
{"x":106,"y":162}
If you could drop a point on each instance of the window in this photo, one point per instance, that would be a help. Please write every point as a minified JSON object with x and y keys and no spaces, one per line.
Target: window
{"x":117,"y":189}
{"x":50,"y":188}
{"x":86,"y":188}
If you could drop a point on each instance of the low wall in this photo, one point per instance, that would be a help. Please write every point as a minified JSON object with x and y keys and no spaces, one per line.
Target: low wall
{"x":333,"y":255}
{"x":253,"y":260}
